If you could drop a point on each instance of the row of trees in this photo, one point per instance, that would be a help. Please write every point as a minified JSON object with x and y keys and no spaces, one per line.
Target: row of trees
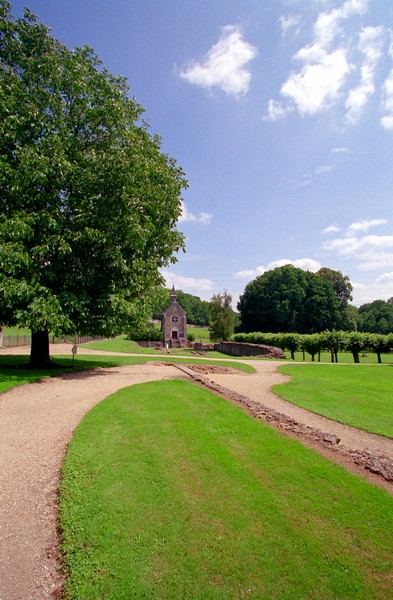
{"x":327,"y":341}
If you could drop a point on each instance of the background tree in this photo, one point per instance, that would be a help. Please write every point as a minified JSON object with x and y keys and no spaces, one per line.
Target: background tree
{"x":376,"y":317}
{"x":198,"y":311}
{"x":288,"y":299}
{"x":342,"y":289}
{"x":221,"y":317}
{"x":88,"y":203}
{"x":272,"y":301}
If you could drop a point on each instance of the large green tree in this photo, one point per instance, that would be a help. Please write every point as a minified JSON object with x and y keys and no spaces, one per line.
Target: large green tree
{"x":342,"y":288}
{"x":288,"y":299}
{"x":88,"y":201}
{"x":221,"y":317}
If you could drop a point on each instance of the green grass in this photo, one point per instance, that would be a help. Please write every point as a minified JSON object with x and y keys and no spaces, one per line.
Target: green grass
{"x":368,"y":358}
{"x":200,"y":333}
{"x":185,"y":496}
{"x":122,"y":344}
{"x":119,"y":344}
{"x":14,"y":331}
{"x":357,"y":395}
{"x":14,"y":371}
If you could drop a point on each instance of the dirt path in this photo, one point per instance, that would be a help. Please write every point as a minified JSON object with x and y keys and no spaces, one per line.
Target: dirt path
{"x":36,"y":423}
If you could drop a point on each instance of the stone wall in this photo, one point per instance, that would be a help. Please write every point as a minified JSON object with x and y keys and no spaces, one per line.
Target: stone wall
{"x":244,"y":349}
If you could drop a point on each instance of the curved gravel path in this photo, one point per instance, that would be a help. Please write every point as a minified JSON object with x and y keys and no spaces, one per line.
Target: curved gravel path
{"x":36,"y":423}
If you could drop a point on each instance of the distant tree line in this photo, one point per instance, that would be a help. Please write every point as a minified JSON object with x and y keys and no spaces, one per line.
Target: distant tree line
{"x":376,"y":317}
{"x":198,"y":311}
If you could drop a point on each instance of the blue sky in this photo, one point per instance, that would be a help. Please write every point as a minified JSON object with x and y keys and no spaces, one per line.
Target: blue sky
{"x":280,"y":114}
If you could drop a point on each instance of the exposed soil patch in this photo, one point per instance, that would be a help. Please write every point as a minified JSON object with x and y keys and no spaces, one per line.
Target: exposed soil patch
{"x":213,"y":369}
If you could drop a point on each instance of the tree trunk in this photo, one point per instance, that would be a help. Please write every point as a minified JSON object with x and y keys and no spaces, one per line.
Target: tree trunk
{"x":379,"y":358}
{"x":355,"y":357}
{"x":39,"y":353}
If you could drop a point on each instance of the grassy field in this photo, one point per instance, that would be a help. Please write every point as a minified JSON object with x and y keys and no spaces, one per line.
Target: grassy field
{"x":346,"y":357}
{"x":200,"y":333}
{"x":14,"y":371}
{"x":186,"y":496}
{"x":122,"y":344}
{"x":357,"y":395}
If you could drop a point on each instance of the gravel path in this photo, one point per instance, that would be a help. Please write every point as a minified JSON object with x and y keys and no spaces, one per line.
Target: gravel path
{"x":36,"y":423}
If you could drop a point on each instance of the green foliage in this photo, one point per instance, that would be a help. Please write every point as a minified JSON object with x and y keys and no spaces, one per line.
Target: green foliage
{"x":145,"y":331}
{"x":376,"y":317}
{"x":288,"y":299}
{"x":186,"y":496}
{"x":332,"y":341}
{"x":198,"y":311}
{"x":221,"y":317}
{"x":360,"y":397}
{"x":89,"y":203}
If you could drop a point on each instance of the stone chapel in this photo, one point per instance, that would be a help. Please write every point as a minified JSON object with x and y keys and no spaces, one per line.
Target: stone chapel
{"x":174,"y":324}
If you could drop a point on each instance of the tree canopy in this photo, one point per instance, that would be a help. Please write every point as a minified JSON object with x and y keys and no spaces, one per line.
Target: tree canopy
{"x":198,"y":311}
{"x":288,"y":299}
{"x":221,"y":317}
{"x":89,"y":203}
{"x":376,"y":317}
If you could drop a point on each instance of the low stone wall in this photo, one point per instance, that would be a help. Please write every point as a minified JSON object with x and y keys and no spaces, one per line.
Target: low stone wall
{"x":245,"y":349}
{"x":149,"y":344}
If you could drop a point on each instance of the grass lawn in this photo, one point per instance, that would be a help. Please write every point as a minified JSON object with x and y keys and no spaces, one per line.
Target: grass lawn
{"x":200,"y":333}
{"x":14,"y":371}
{"x":357,"y":395}
{"x":14,"y":331}
{"x":122,"y":344}
{"x":185,"y":496}
{"x":368,"y":358}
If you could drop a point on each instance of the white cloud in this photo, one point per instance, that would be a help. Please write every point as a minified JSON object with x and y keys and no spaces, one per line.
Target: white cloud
{"x":359,"y":246}
{"x":187,"y":215}
{"x":322,"y":169}
{"x":224,"y":65}
{"x":289,"y":22}
{"x":331,"y":229}
{"x":250,"y":273}
{"x":307,"y":264}
{"x":276,"y":111}
{"x":370,"y":45}
{"x":372,"y":252}
{"x":325,"y":64}
{"x":387,"y":94}
{"x":376,"y":261}
{"x":318,"y":84}
{"x":381,"y":288}
{"x":365,"y":225}
{"x":387,"y":119}
{"x":340,"y":150}
{"x":190,"y":285}
{"x":327,"y":26}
